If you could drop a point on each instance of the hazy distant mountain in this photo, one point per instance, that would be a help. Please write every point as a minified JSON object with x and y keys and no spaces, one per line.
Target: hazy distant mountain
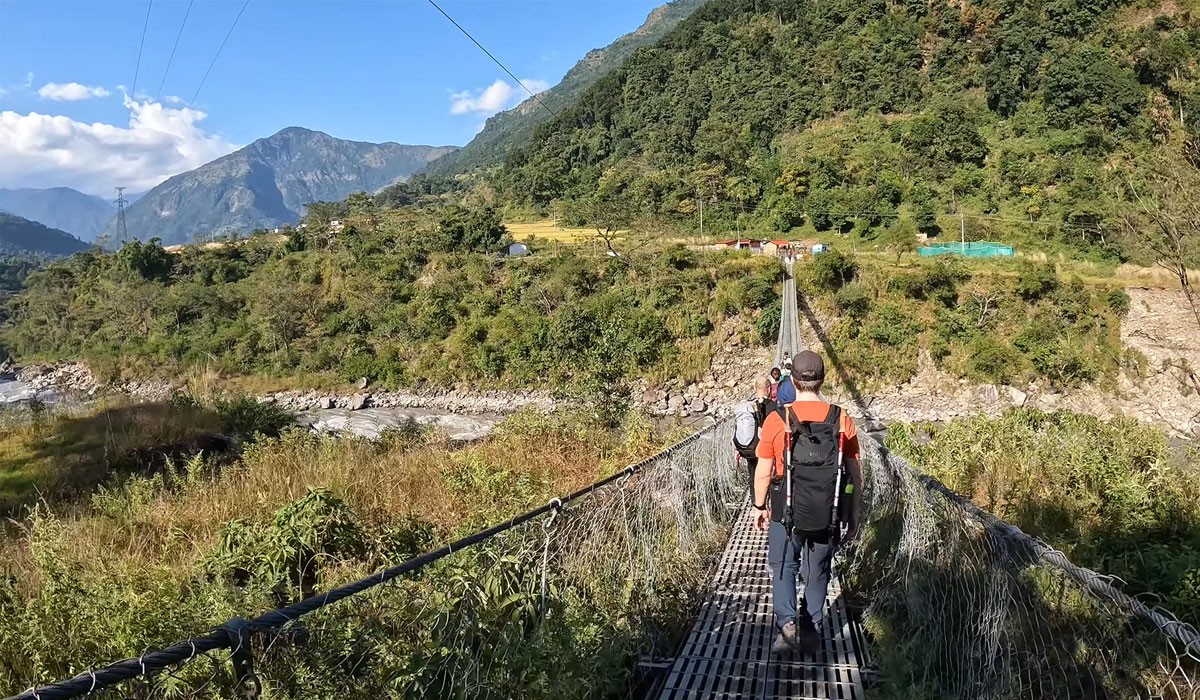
{"x":19,"y":235}
{"x":515,"y":126}
{"x":82,"y":215}
{"x":267,"y":184}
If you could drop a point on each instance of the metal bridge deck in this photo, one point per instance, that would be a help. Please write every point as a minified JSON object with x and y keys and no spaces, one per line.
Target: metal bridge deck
{"x":727,"y":654}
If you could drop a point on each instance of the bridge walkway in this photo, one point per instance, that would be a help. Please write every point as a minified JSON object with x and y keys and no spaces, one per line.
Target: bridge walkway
{"x":727,"y":653}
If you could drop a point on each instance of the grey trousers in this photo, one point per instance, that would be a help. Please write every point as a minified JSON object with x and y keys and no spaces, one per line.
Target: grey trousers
{"x":788,"y":556}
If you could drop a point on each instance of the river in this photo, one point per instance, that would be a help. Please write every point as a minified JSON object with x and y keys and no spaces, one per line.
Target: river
{"x":367,"y":422}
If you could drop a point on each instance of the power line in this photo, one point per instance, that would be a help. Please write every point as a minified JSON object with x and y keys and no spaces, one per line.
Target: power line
{"x":496,"y":60}
{"x":176,"y":46}
{"x":219,"y":50}
{"x":138,"y":67}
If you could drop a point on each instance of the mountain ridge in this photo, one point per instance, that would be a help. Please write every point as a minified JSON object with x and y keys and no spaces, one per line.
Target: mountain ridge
{"x":268,"y":182}
{"x":512,"y":127}
{"x":64,"y":208}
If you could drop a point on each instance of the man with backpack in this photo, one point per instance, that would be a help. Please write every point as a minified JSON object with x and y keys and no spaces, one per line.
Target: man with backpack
{"x":808,"y":470}
{"x":748,"y":420}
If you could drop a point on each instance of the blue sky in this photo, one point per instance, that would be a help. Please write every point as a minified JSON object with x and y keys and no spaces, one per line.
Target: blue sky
{"x":377,"y":70}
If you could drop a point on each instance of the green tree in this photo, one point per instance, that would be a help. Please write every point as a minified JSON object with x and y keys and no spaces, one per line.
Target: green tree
{"x":900,"y":237}
{"x":1162,"y":222}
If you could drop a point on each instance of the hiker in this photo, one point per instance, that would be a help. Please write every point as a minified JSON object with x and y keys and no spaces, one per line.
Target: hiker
{"x":802,"y":451}
{"x":785,"y":391}
{"x":748,"y":421}
{"x":775,"y":374}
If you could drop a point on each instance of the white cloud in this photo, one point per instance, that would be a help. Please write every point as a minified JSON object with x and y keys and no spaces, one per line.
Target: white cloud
{"x":29,"y":80}
{"x":41,"y":150}
{"x":70,"y":92}
{"x":495,"y":97}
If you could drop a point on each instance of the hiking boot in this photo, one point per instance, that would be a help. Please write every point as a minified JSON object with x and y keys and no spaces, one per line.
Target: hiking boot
{"x":807,"y":637}
{"x":786,"y":641}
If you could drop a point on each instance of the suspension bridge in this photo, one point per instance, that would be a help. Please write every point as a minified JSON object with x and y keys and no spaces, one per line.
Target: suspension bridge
{"x":936,"y":599}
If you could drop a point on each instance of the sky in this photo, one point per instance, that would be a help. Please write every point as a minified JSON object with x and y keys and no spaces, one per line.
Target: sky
{"x":78,"y":109}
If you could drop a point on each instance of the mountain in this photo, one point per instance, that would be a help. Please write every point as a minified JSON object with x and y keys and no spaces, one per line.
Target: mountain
{"x":267,"y":184}
{"x":20,"y":236}
{"x":843,"y":116}
{"x":79,"y":214}
{"x":514,"y":127}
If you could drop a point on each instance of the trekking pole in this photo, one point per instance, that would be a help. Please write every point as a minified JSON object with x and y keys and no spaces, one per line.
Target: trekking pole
{"x":836,"y":534}
{"x":787,"y":473}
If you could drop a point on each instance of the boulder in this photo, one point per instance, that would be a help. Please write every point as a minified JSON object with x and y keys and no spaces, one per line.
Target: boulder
{"x":650,"y":396}
{"x":359,"y":401}
{"x":362,"y":383}
{"x":1018,"y":397}
{"x":697,"y":406}
{"x":676,"y":403}
{"x":326,"y":402}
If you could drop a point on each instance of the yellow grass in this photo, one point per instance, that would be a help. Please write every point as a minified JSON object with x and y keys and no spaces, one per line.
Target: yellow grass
{"x":547,"y":230}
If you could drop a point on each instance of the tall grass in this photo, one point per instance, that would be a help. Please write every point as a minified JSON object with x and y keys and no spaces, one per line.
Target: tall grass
{"x":148,"y":560}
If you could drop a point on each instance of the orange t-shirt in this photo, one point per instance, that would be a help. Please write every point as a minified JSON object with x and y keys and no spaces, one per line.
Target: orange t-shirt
{"x":772,"y":439}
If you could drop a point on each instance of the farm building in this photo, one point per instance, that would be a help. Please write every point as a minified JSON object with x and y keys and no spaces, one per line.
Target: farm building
{"x":740,"y":244}
{"x":516,"y":249}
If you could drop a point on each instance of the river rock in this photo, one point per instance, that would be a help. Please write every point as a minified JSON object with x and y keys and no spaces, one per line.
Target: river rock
{"x":650,"y":396}
{"x":676,"y":403}
{"x":1018,"y":397}
{"x":358,"y":402}
{"x":698,"y":406}
{"x":325,"y":402}
{"x":362,"y":383}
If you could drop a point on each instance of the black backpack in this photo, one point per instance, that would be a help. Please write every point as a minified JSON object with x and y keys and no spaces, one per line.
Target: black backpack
{"x":812,"y":475}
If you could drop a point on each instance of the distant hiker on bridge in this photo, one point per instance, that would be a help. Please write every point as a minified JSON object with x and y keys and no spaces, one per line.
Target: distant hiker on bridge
{"x":748,"y":421}
{"x":785,"y":390}
{"x":775,"y":375}
{"x":802,"y":451}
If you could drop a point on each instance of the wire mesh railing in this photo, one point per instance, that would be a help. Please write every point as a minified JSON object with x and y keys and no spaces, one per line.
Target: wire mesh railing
{"x":963,"y":605}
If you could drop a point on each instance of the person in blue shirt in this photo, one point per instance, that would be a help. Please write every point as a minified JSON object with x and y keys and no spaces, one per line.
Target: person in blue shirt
{"x":785,"y":393}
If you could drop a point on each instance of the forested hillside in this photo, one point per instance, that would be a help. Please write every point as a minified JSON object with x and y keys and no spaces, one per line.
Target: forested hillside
{"x":512,"y":128}
{"x":403,"y":297}
{"x":21,"y":236}
{"x":845,"y":115}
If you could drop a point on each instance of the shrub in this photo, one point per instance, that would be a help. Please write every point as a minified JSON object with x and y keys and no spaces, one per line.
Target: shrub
{"x":890,"y":325}
{"x":854,"y":300}
{"x":831,"y":270}
{"x":1119,"y":301}
{"x":766,"y":326}
{"x":1035,"y":281}
{"x":993,"y":361}
{"x":304,"y":535}
{"x":245,"y":418}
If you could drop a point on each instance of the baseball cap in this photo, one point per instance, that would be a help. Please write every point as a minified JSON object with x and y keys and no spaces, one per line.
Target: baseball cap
{"x":808,"y":366}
